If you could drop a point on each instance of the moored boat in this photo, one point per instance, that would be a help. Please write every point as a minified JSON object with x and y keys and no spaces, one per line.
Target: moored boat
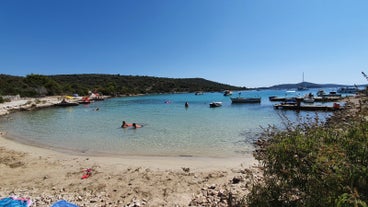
{"x":245,"y":100}
{"x":85,"y":100}
{"x":322,"y":93}
{"x":288,"y":95}
{"x":276,"y":98}
{"x":327,"y":97}
{"x":348,"y":90}
{"x":228,"y":93}
{"x":307,"y":107}
{"x":65,"y":103}
{"x":308,"y":98}
{"x":215,"y":104}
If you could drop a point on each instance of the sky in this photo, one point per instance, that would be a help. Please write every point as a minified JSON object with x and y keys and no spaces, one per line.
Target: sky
{"x":251,"y":43}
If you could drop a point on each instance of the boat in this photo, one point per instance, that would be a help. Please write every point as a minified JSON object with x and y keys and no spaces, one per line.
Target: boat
{"x":322,"y":93}
{"x":290,"y":94}
{"x":198,"y":93}
{"x":294,"y":104}
{"x":281,"y":98}
{"x":347,"y":90}
{"x":215,"y":104}
{"x":308,"y":98}
{"x":228,"y":93}
{"x":303,"y":86}
{"x":276,"y":98}
{"x":245,"y":100}
{"x":297,"y":107}
{"x":327,"y":97}
{"x":66,"y":103}
{"x":84,"y":100}
{"x":96,"y":97}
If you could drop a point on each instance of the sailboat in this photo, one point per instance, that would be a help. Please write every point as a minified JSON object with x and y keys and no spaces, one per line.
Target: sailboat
{"x":302,"y":87}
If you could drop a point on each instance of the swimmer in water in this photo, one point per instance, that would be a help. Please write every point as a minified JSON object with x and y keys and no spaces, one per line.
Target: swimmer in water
{"x":125,"y":125}
{"x":137,"y":126}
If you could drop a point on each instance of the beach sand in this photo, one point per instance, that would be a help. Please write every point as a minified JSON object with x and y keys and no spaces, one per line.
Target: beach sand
{"x":46,"y":176}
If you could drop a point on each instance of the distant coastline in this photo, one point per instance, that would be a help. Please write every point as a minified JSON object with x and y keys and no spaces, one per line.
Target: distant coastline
{"x":35,"y":85}
{"x":310,"y":85}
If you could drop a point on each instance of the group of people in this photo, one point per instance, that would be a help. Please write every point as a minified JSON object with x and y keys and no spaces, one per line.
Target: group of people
{"x":134,"y":125}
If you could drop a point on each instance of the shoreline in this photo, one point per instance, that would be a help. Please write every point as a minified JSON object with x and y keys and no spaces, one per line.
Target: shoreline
{"x":157,"y":162}
{"x":25,"y":104}
{"x":45,"y":175}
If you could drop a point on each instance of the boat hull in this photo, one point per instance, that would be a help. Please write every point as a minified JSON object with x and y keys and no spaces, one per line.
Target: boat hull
{"x":66,"y":104}
{"x":215,"y":104}
{"x":306,"y":108}
{"x":245,"y":100}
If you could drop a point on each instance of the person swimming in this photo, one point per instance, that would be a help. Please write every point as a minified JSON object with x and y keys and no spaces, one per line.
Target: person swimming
{"x":136,"y":126}
{"x":125,"y":125}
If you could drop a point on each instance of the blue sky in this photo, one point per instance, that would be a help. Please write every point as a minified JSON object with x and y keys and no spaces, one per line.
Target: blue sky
{"x":250,"y":43}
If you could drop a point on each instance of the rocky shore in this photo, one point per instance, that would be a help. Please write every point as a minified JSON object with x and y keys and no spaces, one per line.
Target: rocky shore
{"x":19,"y":104}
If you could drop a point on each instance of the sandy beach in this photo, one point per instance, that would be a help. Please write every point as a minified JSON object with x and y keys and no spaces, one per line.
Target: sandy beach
{"x":46,"y":176}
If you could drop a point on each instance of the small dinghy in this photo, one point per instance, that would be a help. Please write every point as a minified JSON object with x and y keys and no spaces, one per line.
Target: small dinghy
{"x":215,"y":104}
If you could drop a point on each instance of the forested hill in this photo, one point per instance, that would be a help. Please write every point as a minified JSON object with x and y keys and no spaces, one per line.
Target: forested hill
{"x":40,"y":85}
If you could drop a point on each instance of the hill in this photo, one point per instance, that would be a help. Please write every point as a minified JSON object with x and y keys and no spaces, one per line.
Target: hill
{"x":306,"y":84}
{"x":115,"y":85}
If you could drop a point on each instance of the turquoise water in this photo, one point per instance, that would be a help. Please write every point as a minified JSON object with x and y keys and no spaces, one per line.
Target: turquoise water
{"x":169,"y":129}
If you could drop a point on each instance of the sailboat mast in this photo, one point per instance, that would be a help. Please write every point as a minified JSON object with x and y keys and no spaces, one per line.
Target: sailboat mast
{"x":303,"y":87}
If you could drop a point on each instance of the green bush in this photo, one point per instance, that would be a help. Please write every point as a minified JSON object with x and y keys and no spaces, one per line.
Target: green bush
{"x":314,"y":165}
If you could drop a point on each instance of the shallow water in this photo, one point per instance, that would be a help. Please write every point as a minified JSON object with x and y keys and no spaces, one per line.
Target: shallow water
{"x":169,"y":129}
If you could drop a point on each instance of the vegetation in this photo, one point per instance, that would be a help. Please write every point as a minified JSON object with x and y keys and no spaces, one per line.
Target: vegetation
{"x":314,"y":165}
{"x":39,"y":85}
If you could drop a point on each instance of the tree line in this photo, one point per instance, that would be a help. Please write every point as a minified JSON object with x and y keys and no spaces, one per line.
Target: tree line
{"x":35,"y":85}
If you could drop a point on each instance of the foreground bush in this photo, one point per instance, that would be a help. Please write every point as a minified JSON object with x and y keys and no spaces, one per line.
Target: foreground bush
{"x":313,"y":165}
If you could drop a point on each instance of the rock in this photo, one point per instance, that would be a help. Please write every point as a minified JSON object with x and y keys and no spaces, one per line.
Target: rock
{"x":186,"y":169}
{"x":237,"y":179}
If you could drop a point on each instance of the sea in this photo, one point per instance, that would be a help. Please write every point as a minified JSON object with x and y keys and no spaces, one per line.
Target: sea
{"x":169,"y":128}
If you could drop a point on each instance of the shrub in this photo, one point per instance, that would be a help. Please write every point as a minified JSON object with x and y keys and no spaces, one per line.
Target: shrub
{"x":314,"y":165}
